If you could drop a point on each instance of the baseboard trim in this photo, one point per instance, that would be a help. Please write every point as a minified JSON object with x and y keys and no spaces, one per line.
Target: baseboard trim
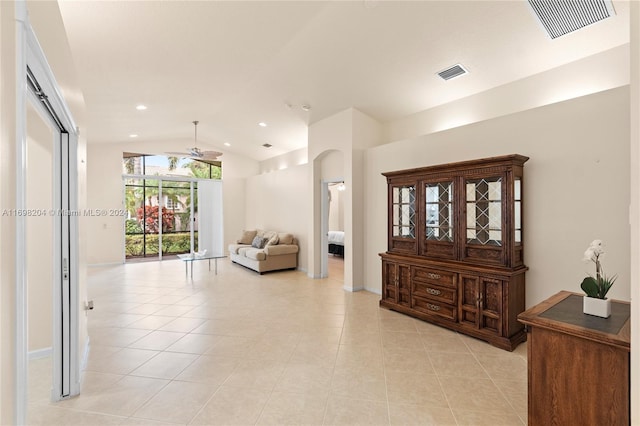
{"x":377,"y":291}
{"x":40,"y":353}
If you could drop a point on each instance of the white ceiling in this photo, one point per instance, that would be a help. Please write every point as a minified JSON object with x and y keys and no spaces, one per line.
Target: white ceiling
{"x":233,"y":64}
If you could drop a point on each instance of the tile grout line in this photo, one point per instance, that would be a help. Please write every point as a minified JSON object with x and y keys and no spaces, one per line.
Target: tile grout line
{"x":513,"y":410}
{"x":384,"y":370}
{"x":438,"y":378}
{"x":273,"y":388}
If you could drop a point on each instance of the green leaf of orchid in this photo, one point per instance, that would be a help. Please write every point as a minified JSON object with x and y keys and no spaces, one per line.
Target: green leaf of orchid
{"x":590,"y":287}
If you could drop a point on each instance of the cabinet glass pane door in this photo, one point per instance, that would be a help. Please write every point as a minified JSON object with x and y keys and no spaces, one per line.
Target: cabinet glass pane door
{"x":484,"y":211}
{"x":404,"y":211}
{"x":439,"y":220}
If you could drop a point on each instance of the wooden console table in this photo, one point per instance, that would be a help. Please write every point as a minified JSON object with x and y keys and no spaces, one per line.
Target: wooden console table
{"x":578,"y":364}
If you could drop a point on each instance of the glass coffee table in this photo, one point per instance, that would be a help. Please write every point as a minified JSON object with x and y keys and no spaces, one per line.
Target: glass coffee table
{"x":189,"y":258}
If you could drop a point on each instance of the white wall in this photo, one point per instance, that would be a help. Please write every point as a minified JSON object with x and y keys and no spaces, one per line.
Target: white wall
{"x":7,"y":201}
{"x":576,"y":185}
{"x":332,"y":133}
{"x":281,"y":162}
{"x":367,"y":133}
{"x":105,"y":235}
{"x":332,"y":166}
{"x":592,"y":74}
{"x":278,"y":201}
{"x":234,"y":207}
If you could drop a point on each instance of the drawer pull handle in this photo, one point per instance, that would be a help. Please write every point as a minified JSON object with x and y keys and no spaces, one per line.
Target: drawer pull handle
{"x":433,"y":307}
{"x":433,"y":276}
{"x":433,"y":291}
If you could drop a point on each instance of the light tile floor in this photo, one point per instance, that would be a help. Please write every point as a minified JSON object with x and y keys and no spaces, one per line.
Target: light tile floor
{"x":277,"y":349}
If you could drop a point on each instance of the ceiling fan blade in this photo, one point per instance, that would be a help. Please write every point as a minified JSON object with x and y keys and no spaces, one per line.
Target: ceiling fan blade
{"x":211,"y":161}
{"x":211,"y":154}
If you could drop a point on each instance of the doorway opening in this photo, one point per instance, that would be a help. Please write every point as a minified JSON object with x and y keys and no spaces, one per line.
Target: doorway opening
{"x":47,"y":277}
{"x":333,"y":239}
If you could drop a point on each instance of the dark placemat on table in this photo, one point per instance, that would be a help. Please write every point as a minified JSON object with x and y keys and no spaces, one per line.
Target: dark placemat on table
{"x":570,"y":311}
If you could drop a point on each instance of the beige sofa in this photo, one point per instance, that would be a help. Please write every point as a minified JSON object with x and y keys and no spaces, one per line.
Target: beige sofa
{"x":278,"y":251}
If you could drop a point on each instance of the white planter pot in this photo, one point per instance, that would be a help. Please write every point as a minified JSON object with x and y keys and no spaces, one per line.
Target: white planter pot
{"x":596,"y":307}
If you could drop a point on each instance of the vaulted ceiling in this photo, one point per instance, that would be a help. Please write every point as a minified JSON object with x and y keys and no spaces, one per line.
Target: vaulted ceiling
{"x":234,"y":64}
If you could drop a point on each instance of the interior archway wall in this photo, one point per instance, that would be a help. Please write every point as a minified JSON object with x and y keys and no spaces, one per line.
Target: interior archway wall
{"x":350,"y":132}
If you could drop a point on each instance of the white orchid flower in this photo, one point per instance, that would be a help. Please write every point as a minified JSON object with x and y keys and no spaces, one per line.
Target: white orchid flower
{"x":597,"y":246}
{"x":589,"y":255}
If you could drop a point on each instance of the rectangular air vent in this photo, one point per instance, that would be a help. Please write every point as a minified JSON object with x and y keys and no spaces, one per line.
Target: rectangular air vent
{"x":452,"y":72}
{"x":562,"y":17}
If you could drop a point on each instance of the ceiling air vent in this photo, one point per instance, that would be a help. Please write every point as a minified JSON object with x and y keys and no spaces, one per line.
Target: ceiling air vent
{"x":267,"y":145}
{"x":452,"y":72}
{"x":562,"y":17}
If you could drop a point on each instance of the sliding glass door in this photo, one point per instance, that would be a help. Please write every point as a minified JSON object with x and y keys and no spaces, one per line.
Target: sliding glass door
{"x":162,"y":216}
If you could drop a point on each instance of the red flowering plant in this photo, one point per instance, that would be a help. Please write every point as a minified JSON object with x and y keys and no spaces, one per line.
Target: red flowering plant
{"x":150,"y":216}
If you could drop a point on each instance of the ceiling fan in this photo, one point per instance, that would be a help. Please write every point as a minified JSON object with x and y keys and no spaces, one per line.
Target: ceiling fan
{"x":195,"y":152}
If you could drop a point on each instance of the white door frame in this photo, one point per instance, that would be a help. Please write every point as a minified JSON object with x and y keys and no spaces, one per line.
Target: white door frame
{"x":66,"y":371}
{"x":324,"y":225}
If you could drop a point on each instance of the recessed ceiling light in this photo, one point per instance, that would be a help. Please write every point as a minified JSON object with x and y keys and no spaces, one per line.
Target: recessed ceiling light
{"x":141,"y":107}
{"x":227,"y":144}
{"x":133,"y":135}
{"x":262,"y":124}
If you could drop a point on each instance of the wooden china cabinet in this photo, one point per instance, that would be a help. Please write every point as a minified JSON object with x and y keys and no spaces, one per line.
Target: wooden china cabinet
{"x":455,"y":247}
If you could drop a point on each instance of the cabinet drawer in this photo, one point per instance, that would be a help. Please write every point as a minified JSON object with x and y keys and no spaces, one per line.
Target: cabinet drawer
{"x":434,"y":276}
{"x":435,"y":292}
{"x":434,"y":307}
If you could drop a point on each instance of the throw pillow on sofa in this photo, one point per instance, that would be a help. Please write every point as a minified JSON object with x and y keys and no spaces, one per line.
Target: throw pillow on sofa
{"x":285,"y":238}
{"x":258,"y":242}
{"x":247,"y":237}
{"x":273,"y":241}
